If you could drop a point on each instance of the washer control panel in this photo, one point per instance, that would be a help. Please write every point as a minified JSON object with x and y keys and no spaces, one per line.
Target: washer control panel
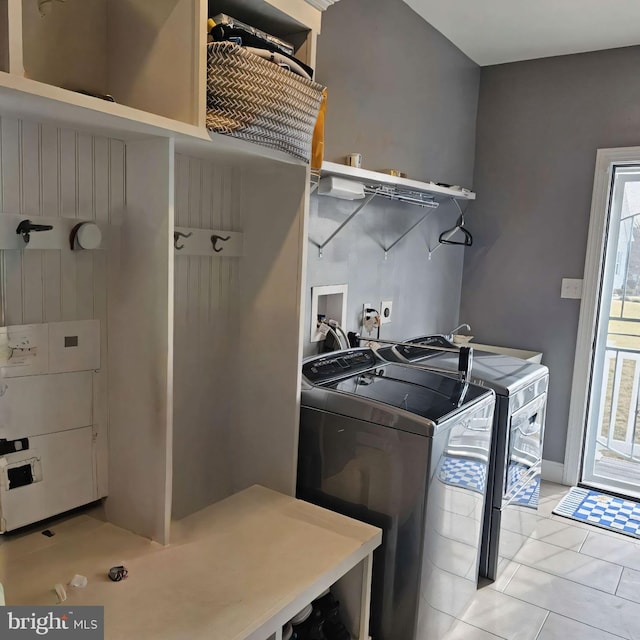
{"x":338,"y":364}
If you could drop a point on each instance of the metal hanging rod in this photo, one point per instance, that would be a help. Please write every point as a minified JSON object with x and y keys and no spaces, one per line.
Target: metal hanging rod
{"x":403,"y":195}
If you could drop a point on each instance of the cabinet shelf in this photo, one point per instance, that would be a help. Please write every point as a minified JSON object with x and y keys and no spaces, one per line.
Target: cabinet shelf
{"x":24,"y":98}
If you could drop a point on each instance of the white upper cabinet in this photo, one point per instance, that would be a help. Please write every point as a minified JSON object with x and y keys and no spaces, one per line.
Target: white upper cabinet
{"x":149,"y":57}
{"x":141,"y":53}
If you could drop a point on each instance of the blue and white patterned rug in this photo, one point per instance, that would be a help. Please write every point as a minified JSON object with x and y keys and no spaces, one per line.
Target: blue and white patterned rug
{"x":601,"y":510}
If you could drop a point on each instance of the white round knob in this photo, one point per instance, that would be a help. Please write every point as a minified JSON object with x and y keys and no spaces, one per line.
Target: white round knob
{"x":89,"y":236}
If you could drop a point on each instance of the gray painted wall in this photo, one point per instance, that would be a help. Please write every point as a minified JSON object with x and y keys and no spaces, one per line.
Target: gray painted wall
{"x":413,"y":112}
{"x":539,"y":125}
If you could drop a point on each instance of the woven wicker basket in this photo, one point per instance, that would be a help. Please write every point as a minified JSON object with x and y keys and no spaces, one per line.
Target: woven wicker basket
{"x":254,"y":99}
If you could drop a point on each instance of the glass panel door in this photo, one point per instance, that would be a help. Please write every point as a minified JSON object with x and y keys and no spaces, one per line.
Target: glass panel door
{"x":612,"y":445}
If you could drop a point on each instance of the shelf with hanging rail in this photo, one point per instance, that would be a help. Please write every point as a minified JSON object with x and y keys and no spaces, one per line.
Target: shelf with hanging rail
{"x":375,"y":184}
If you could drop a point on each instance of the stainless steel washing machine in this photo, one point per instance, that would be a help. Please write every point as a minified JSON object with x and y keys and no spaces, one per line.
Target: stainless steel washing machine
{"x":518,"y":432}
{"x":377,"y":443}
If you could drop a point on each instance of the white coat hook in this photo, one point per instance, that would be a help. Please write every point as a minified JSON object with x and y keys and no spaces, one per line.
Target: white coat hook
{"x":52,"y":234}
{"x":85,"y":235}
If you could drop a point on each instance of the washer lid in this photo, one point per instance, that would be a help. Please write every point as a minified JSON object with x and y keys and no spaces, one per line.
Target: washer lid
{"x":428,"y":395}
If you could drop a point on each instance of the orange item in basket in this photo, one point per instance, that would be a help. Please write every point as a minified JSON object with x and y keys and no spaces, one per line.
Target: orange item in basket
{"x":317,"y":145}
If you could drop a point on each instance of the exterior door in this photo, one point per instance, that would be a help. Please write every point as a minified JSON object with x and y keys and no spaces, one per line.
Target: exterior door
{"x":611,"y":458}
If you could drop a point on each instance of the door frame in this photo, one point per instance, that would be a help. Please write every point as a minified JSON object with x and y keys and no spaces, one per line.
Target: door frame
{"x":606,"y":159}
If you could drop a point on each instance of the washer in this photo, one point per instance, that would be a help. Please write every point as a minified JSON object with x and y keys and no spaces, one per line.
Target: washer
{"x":377,"y":443}
{"x":518,"y":432}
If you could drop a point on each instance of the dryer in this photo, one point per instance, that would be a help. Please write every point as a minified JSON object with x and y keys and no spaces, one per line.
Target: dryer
{"x":377,"y":443}
{"x":518,"y":432}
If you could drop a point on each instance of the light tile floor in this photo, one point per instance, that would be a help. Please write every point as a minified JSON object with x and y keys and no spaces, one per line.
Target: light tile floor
{"x":570,"y":581}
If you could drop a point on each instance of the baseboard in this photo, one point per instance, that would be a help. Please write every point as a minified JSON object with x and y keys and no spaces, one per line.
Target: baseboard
{"x":552,"y":471}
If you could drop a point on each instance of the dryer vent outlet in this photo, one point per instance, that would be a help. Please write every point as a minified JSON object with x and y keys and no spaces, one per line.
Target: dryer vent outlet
{"x":386,"y":311}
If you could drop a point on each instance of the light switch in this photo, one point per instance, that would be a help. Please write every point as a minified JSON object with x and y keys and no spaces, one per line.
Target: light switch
{"x":571,"y":288}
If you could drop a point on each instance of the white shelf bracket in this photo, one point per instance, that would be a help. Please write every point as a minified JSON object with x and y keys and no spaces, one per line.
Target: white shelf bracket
{"x":314,"y":182}
{"x":407,"y":232}
{"x":358,"y":209}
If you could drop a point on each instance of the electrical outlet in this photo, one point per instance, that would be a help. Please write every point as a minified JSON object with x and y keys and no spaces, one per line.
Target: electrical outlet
{"x":386,"y":311}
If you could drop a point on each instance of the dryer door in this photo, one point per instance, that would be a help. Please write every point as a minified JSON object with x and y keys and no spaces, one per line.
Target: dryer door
{"x":524,"y":453}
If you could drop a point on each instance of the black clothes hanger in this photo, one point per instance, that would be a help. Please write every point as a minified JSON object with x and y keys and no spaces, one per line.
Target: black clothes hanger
{"x":468,"y":238}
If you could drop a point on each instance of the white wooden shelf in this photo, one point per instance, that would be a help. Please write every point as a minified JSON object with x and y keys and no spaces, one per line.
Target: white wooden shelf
{"x":29,"y":99}
{"x":377,"y":180}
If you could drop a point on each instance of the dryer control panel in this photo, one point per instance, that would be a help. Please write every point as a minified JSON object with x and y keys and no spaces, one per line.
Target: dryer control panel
{"x":434,"y":341}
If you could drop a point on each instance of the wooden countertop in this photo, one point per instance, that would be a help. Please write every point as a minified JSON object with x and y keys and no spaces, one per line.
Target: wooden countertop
{"x":237,"y":569}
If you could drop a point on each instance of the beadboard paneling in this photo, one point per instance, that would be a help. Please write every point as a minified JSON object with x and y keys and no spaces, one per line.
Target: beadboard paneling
{"x":48,"y":171}
{"x":45,"y":171}
{"x":207,"y":197}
